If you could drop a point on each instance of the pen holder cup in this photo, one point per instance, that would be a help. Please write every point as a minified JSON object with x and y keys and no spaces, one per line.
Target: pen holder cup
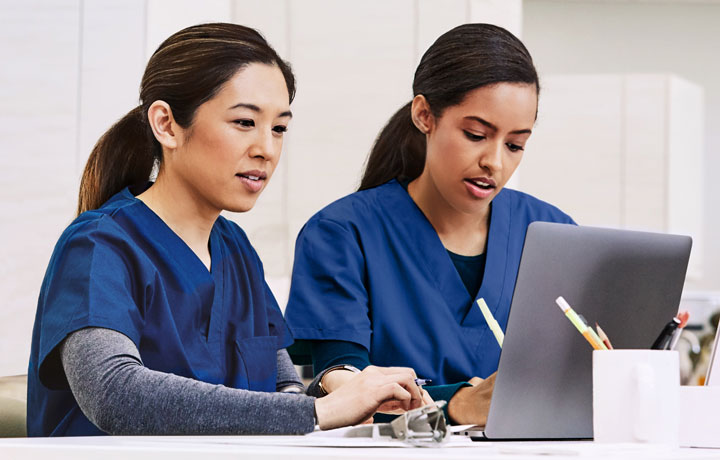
{"x":636,"y":396}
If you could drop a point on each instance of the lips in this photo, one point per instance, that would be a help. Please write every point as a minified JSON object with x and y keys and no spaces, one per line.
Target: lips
{"x":480,"y":187}
{"x":484,"y":183}
{"x":252,"y":180}
{"x":253,"y":175}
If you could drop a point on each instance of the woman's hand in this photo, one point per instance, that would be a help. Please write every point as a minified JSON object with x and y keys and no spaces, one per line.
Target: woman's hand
{"x":358,"y":398}
{"x":339,"y":377}
{"x":390,"y":407}
{"x":470,"y":405}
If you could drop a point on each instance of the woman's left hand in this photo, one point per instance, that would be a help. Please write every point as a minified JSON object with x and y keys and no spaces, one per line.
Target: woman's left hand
{"x":470,"y":405}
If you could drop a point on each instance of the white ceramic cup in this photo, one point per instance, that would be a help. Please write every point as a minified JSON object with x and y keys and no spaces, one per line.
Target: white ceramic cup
{"x":636,"y":396}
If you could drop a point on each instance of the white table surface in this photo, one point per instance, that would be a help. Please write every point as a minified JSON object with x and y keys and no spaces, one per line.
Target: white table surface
{"x":295,"y":448}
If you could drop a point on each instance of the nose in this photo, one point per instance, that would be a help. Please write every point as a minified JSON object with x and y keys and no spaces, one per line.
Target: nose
{"x":491,"y":156}
{"x":263,"y":146}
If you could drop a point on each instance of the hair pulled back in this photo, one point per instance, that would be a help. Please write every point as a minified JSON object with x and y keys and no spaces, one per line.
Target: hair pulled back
{"x":188,"y":69}
{"x":465,"y":58}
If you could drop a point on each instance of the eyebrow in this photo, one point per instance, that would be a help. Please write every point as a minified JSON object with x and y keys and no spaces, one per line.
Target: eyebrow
{"x":257,"y":109}
{"x":494,"y":128}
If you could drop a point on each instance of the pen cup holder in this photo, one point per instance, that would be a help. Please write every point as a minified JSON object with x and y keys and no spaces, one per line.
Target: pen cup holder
{"x":636,"y":396}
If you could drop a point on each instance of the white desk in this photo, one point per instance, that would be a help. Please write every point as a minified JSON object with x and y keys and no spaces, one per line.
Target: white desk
{"x":289,"y":448}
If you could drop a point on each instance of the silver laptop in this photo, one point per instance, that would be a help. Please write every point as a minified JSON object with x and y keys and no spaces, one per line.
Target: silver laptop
{"x":628,"y":282}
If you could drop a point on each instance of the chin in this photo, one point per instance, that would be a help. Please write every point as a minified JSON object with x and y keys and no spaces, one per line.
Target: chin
{"x":236,"y":207}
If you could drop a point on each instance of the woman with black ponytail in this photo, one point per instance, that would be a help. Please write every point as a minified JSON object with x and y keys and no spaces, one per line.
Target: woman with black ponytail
{"x":390,"y":275}
{"x":154,"y":316}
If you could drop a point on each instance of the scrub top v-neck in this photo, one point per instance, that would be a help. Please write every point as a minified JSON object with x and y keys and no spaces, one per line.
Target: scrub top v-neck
{"x":371,"y":269}
{"x":121,"y":267}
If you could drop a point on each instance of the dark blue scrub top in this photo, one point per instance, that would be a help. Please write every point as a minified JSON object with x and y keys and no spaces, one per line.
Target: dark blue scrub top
{"x":370,"y":269}
{"x":121,"y":267}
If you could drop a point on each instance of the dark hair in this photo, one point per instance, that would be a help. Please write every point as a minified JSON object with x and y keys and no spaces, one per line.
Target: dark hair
{"x":463,"y":59}
{"x":188,"y":69}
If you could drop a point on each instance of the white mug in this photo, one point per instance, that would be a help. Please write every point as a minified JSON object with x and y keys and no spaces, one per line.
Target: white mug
{"x":636,"y":396}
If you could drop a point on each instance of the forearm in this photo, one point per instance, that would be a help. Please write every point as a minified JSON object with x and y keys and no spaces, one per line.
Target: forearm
{"x":330,"y":353}
{"x":288,"y":379}
{"x":121,"y":396}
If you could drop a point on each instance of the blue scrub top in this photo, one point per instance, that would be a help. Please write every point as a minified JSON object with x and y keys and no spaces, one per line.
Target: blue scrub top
{"x":371,"y":269}
{"x":121,"y":267}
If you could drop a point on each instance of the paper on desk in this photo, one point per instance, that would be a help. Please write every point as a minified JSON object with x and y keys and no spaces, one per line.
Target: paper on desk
{"x":329,"y":438}
{"x":460,"y":428}
{"x":336,"y":438}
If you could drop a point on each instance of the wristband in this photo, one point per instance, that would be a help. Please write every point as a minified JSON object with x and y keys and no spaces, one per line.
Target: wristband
{"x":346,"y":367}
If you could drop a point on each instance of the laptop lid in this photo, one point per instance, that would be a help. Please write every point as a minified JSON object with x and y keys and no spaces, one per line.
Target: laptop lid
{"x":628,"y":282}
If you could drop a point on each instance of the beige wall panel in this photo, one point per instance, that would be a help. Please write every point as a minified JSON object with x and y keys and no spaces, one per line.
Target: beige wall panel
{"x":686,"y":190}
{"x":354,"y":63}
{"x":165,"y":17}
{"x":576,"y":146}
{"x":435,"y":18}
{"x":504,"y":13}
{"x":113,"y":61}
{"x":38,"y":138}
{"x":270,"y":17}
{"x":645,"y":152}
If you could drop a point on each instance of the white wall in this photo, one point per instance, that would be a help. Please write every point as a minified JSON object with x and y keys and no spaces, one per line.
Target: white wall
{"x":629,"y":156}
{"x":70,"y":68}
{"x":681,"y":38}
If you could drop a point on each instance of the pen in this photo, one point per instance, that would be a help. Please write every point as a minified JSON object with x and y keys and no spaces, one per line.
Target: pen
{"x":580,"y":325}
{"x":492,"y":322}
{"x":421,"y":382}
{"x":665,"y":337}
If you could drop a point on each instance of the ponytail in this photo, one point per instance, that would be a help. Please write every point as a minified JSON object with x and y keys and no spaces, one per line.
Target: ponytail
{"x":398,"y":152}
{"x":123,"y":156}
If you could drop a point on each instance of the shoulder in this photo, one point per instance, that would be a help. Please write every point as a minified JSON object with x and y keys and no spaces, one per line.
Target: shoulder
{"x":532,"y":208}
{"x":104,"y":225}
{"x":360,"y":207}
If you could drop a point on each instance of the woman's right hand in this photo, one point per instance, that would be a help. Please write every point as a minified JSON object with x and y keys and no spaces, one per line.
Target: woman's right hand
{"x":360,"y":397}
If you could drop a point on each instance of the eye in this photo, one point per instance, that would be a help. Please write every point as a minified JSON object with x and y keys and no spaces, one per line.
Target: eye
{"x":473,"y":137}
{"x":245,"y":123}
{"x":514,"y":147}
{"x":280,"y":129}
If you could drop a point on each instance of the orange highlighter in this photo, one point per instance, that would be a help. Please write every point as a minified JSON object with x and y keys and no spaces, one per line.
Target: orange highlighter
{"x":581,"y":326}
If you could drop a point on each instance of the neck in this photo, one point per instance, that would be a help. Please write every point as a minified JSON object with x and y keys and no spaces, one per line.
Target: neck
{"x":184,"y":211}
{"x":460,"y":232}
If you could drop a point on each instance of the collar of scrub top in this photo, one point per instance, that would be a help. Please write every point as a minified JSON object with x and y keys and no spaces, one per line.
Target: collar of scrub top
{"x":440,"y":268}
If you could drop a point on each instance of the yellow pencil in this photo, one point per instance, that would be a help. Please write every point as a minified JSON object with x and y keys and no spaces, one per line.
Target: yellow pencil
{"x":580,"y":325}
{"x":492,"y":322}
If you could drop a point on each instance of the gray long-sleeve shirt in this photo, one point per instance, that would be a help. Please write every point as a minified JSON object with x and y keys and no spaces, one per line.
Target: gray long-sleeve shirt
{"x":121,"y":396}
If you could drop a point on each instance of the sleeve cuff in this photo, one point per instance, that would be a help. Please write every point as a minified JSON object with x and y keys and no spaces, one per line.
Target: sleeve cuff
{"x":445,"y":393}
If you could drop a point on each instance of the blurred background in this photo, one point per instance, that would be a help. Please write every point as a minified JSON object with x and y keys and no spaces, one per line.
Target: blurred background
{"x":626,"y":134}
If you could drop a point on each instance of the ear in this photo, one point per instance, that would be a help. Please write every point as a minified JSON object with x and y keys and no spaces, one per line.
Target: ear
{"x":163,"y":124}
{"x":422,"y":116}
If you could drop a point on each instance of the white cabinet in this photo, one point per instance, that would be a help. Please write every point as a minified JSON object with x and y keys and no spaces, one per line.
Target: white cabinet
{"x":621,"y":151}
